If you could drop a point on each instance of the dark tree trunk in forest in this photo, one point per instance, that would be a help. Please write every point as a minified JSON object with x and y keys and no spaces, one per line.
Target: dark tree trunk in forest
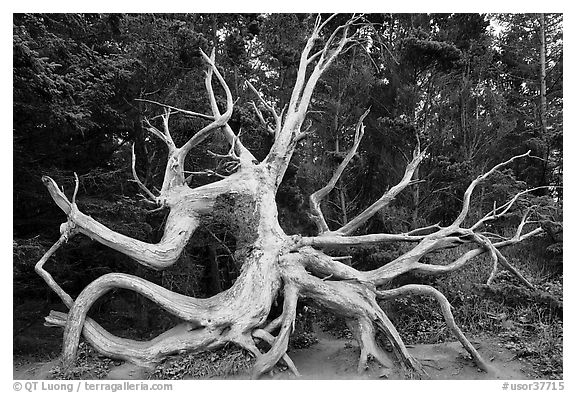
{"x":543,"y":106}
{"x":271,"y":262}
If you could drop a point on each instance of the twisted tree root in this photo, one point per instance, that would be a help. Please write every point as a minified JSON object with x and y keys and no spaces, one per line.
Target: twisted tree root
{"x":280,"y":345}
{"x":264,"y":335}
{"x":363,"y":330}
{"x":415,"y":289}
{"x":229,"y":316}
{"x":355,"y":301}
{"x":143,"y":353}
{"x":182,"y":306}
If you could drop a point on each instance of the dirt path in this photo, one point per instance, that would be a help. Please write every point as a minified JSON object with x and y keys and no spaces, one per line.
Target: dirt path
{"x":333,"y":358}
{"x":336,"y":358}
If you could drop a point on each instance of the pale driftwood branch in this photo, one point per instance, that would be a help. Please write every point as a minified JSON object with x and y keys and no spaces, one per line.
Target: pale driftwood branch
{"x":316,"y":55}
{"x":143,"y":353}
{"x":184,"y":307}
{"x":274,"y":324}
{"x":153,"y":130}
{"x":330,"y":239}
{"x":264,"y":335}
{"x":219,"y":120}
{"x":149,"y":193}
{"x":286,"y":140}
{"x":57,"y":195}
{"x":343,"y":258}
{"x":414,"y":289}
{"x":384,"y":200}
{"x":465,"y":258}
{"x":207,"y":172}
{"x":423,"y":229}
{"x":245,"y":155}
{"x":179,"y":227}
{"x":317,"y":196}
{"x":410,"y":261}
{"x":39,"y":268}
{"x":475,"y":182}
{"x":277,"y":119}
{"x":321,"y":26}
{"x":353,"y":299}
{"x":328,"y":53}
{"x":165,"y":120}
{"x":301,"y":75}
{"x":76,"y":185}
{"x":179,"y":110}
{"x":236,"y":160}
{"x":500,"y":211}
{"x":261,"y":118}
{"x":326,"y":58}
{"x":487,"y":244}
{"x":497,"y":256}
{"x":218,"y":155}
{"x":365,"y":334}
{"x":280,"y":345}
{"x":442,"y":238}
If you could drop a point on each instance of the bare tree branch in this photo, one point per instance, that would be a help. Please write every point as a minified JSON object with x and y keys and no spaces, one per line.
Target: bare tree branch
{"x":179,"y":110}
{"x":220,"y":120}
{"x":76,"y":184}
{"x":264,"y":335}
{"x":475,"y":182}
{"x":245,"y":155}
{"x":317,"y":196}
{"x":277,"y":119}
{"x":385,"y":199}
{"x":153,"y":130}
{"x":280,"y":345}
{"x":414,"y":289}
{"x":497,"y":212}
{"x":261,"y":118}
{"x":149,"y":193}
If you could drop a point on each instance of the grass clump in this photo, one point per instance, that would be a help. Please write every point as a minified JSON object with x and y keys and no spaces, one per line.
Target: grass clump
{"x":223,"y":363}
{"x":89,"y":365}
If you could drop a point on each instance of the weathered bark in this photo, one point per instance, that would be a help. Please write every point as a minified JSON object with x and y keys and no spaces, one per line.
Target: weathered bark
{"x":270,"y":261}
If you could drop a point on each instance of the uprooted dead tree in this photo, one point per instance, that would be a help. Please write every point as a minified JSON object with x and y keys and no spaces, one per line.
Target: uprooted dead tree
{"x":272,"y":262}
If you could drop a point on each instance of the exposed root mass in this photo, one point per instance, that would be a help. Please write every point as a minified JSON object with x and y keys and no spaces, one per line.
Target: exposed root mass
{"x":272,"y":264}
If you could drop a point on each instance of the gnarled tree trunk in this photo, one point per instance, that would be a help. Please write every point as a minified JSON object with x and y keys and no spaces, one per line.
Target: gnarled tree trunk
{"x":271,"y":261}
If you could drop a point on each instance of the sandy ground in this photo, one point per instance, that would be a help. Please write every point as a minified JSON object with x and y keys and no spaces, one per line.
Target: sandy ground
{"x":334,"y":358}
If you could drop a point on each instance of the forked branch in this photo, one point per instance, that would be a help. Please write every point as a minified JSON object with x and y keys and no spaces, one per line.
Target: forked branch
{"x":317,"y":196}
{"x":290,"y":133}
{"x":151,"y":196}
{"x":440,"y":238}
{"x":246,"y":157}
{"x":277,"y":119}
{"x":264,"y":335}
{"x":219,"y":120}
{"x":385,"y":199}
{"x":280,"y":345}
{"x":179,"y":227}
{"x":156,"y":132}
{"x":468,"y":194}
